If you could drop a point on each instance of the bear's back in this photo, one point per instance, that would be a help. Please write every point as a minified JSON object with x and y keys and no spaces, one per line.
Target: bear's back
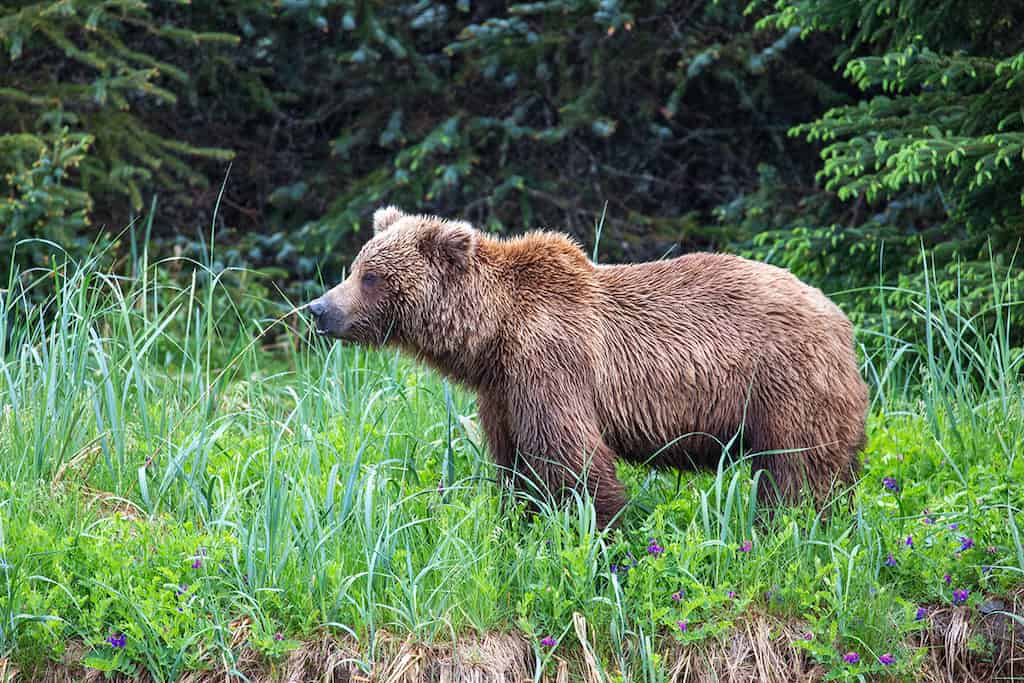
{"x":707,"y":296}
{"x":685,"y":341}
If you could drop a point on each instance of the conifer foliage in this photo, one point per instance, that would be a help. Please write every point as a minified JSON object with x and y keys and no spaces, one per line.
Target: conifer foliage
{"x":513,"y":115}
{"x":931,"y":160}
{"x":80,"y":80}
{"x":698,"y":124}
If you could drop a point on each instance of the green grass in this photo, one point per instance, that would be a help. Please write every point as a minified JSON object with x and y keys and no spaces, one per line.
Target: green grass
{"x":175,"y":457}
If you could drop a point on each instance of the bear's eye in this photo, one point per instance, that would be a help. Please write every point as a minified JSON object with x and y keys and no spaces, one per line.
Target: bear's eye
{"x":370,"y":279}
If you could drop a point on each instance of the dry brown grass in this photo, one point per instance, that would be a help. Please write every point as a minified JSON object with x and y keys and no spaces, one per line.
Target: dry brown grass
{"x":761,"y":648}
{"x":968,"y":648}
{"x":961,"y":646}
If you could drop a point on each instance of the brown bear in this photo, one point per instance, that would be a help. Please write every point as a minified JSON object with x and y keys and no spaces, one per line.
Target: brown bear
{"x":577,"y":364}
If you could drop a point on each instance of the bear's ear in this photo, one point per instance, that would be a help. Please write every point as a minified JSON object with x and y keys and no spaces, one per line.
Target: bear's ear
{"x":385,"y":217}
{"x":455,"y":241}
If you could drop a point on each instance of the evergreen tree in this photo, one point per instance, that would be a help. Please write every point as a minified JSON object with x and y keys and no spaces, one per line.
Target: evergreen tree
{"x":933,"y":157}
{"x":79,"y":81}
{"x":515,"y":116}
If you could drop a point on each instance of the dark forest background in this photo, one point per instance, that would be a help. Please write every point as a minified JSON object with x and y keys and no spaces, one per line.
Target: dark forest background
{"x":845,"y":140}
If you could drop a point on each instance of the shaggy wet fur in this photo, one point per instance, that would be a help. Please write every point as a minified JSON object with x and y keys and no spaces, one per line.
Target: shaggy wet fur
{"x":576,"y":365}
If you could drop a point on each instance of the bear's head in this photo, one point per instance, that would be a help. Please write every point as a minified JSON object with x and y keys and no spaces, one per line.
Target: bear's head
{"x":410,"y":284}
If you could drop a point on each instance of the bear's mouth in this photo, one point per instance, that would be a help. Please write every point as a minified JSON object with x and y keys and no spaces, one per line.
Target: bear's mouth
{"x":329,"y":334}
{"x":332,"y":330}
{"x":330,"y":324}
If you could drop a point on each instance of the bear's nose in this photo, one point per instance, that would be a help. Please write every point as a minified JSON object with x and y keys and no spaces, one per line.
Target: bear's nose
{"x":317,"y":307}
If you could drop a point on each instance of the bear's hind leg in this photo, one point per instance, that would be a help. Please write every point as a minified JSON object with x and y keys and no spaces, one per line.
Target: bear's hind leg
{"x":790,"y":474}
{"x":782,"y":477}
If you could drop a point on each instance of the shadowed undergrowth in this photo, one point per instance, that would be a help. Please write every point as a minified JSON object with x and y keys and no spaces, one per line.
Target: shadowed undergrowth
{"x":190,"y":487}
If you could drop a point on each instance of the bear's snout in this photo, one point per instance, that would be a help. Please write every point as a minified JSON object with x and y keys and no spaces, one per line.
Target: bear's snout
{"x":318,"y":307}
{"x":332,"y":315}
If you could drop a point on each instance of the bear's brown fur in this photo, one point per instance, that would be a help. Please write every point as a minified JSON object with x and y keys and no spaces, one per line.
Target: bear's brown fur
{"x":576,"y":364}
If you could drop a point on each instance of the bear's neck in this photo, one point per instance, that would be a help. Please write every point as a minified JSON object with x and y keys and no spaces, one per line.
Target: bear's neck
{"x":465,"y":343}
{"x":511,"y":284}
{"x":472,"y":370}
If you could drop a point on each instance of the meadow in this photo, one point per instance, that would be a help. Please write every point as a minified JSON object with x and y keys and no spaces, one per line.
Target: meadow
{"x":194,"y":487}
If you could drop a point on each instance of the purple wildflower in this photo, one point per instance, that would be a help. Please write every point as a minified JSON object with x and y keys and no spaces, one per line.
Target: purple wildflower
{"x":947,"y":579}
{"x":731,"y":595}
{"x":890,"y":561}
{"x":117,"y":641}
{"x":909,"y":542}
{"x":677,"y":596}
{"x":197,"y":563}
{"x":960,"y":596}
{"x":747,"y":546}
{"x":986,"y":569}
{"x":886,"y":659}
{"x":548,"y":641}
{"x":966,"y":543}
{"x":682,"y":626}
{"x":654,"y":549}
{"x":851,"y":658}
{"x":890,"y":484}
{"x":808,"y":635}
{"x":954,"y":526}
{"x":622,"y":569}
{"x":278,"y":636}
{"x":922,"y":612}
{"x":180,"y":590}
{"x":927,"y":520}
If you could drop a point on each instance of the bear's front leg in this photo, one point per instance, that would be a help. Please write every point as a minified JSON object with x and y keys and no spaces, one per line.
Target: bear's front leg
{"x":493,"y":420}
{"x":558,"y":440}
